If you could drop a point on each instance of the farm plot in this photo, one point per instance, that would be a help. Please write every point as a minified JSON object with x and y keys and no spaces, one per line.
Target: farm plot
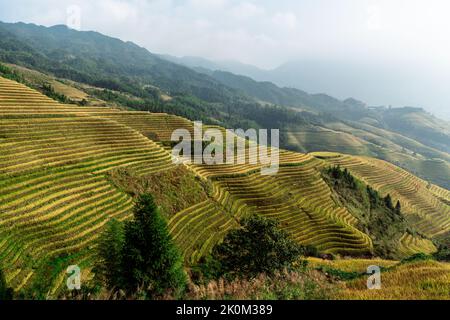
{"x":54,"y":195}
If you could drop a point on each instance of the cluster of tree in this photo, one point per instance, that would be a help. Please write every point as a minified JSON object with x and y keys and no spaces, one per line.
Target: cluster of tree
{"x":443,"y":253}
{"x":376,"y":200}
{"x":377,"y":215}
{"x":50,"y":92}
{"x":140,"y":257}
{"x":8,"y":73}
{"x":342,"y":175}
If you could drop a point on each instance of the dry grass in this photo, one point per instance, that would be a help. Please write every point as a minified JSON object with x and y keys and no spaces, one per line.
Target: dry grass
{"x":350,"y":265}
{"x":414,"y":281}
{"x":286,"y":285}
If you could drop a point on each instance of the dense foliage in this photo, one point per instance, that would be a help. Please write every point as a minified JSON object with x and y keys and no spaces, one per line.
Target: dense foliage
{"x":259,"y":246}
{"x":5,"y":292}
{"x":377,"y":215}
{"x":443,"y":253}
{"x":108,"y":268}
{"x":141,"y":258}
{"x":8,"y":73}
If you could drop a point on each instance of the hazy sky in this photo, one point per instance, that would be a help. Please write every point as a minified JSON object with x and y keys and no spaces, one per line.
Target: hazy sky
{"x":264,"y":33}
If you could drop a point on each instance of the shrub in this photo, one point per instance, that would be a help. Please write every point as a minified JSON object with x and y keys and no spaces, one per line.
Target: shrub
{"x":443,"y":254}
{"x":258,"y":247}
{"x":417,"y":257}
{"x":311,"y":251}
{"x":5,"y":292}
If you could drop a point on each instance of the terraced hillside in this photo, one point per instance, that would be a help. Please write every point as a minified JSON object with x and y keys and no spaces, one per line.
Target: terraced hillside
{"x":426,"y":206}
{"x":54,"y":195}
{"x":56,"y":192}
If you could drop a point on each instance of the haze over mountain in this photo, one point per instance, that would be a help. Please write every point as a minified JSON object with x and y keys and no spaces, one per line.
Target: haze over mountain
{"x":392,"y":83}
{"x":124,"y":74}
{"x":384,"y":52}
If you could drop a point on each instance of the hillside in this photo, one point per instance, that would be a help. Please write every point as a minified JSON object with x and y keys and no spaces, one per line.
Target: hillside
{"x":407,"y":137}
{"x":66,"y":170}
{"x":106,"y":70}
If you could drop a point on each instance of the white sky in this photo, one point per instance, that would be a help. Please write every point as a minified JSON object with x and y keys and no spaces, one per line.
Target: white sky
{"x":264,"y":33}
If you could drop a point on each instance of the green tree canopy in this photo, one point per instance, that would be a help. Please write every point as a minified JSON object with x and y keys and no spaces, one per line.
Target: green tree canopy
{"x":259,"y":246}
{"x":150,"y":260}
{"x":108,"y":267}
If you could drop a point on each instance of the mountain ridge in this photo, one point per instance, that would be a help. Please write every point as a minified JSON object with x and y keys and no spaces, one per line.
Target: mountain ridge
{"x":130,"y":76}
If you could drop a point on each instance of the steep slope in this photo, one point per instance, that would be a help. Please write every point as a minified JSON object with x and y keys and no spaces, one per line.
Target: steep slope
{"x":137,"y":79}
{"x":57,"y":192}
{"x":93,"y":58}
{"x":66,"y":170}
{"x":54,"y":195}
{"x":407,"y":137}
{"x":421,"y":202}
{"x":421,"y":126}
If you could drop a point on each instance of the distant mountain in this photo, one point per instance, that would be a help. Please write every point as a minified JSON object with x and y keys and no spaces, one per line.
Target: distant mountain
{"x":124,"y":74}
{"x":384,"y":83}
{"x":411,"y":122}
{"x":291,"y":97}
{"x":93,"y":58}
{"x":232,"y":66}
{"x":419,"y":125}
{"x":397,"y":83}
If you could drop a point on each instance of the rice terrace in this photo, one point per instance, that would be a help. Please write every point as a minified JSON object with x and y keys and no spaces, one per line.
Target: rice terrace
{"x":101,"y":197}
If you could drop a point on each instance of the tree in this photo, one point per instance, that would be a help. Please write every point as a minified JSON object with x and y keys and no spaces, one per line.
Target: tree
{"x":373,"y":196}
{"x":5,"y":292}
{"x":259,"y":246}
{"x":150,"y":259}
{"x":443,"y":253}
{"x":398,"y":207}
{"x":388,"y":202}
{"x":108,"y":267}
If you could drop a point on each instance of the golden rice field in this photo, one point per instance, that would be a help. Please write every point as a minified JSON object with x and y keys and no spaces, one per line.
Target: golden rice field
{"x":55,"y":194}
{"x":428,"y":280}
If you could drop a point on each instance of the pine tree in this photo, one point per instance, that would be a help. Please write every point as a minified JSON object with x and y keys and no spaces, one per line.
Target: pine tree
{"x":373,"y":196}
{"x":398,"y":207}
{"x":388,"y":202}
{"x":150,"y":259}
{"x":109,"y":264}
